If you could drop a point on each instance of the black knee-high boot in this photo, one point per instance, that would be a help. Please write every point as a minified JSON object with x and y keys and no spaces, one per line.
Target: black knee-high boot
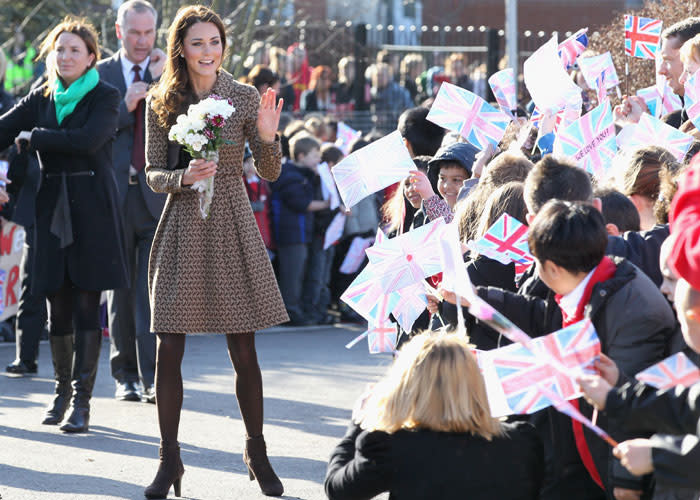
{"x":87,"y":355}
{"x":62,"y":357}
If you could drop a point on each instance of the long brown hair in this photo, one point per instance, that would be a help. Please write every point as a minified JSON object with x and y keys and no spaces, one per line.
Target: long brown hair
{"x":79,"y":26}
{"x":174,"y":91}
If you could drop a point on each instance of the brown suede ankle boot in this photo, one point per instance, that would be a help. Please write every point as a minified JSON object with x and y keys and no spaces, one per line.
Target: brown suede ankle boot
{"x":170,"y":472}
{"x":255,"y":457}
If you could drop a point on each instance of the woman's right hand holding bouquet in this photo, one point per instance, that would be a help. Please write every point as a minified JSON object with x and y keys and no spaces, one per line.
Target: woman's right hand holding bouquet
{"x":198,"y":169}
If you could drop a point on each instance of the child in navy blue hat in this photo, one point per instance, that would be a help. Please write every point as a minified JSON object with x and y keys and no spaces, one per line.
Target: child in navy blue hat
{"x":449,"y":168}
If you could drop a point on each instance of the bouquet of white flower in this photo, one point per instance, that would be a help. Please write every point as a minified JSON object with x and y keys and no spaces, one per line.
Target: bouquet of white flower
{"x":199,"y":132}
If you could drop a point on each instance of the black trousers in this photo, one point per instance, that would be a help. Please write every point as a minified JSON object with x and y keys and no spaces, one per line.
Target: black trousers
{"x":133,"y":345}
{"x":31,"y":314}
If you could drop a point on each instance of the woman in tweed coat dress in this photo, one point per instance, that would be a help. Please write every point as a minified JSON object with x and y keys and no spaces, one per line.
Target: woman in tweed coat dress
{"x":209,"y":275}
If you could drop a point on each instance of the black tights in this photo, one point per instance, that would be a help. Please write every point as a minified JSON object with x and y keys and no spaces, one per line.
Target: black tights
{"x":241,"y":349}
{"x":72,"y":306}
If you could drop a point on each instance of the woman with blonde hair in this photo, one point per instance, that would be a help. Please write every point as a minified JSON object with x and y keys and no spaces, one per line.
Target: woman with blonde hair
{"x":78,"y":236}
{"x":426,"y":431}
{"x":209,"y":275}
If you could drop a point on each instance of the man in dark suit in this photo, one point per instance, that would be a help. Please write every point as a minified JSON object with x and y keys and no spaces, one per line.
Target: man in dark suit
{"x":131,"y":70}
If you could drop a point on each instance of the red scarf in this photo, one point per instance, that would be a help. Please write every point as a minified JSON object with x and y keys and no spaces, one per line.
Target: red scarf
{"x":603,"y":272}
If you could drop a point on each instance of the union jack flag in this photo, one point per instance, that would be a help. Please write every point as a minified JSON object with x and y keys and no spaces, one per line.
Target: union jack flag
{"x":651,"y":130}
{"x":382,"y":337}
{"x":503,"y":85}
{"x":692,"y":99}
{"x":590,"y":140}
{"x":601,"y":91}
{"x":564,"y":117}
{"x":592,"y":67}
{"x":411,"y":304}
{"x":572,"y":47}
{"x":372,"y":168}
{"x":464,"y":112}
{"x":672,"y":371}
{"x":670,"y":101}
{"x":652,"y":99}
{"x":522,"y":371}
{"x":506,"y":241}
{"x":366,"y":296}
{"x":406,"y":259}
{"x":642,"y":36}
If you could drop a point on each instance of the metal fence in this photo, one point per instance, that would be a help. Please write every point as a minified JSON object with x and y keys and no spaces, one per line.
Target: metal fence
{"x":326,"y":43}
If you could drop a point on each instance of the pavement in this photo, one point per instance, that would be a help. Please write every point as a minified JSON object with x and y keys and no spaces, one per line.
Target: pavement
{"x":310,"y":384}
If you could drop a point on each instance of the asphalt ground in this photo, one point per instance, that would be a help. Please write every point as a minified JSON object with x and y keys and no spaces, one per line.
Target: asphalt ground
{"x":310,"y":384}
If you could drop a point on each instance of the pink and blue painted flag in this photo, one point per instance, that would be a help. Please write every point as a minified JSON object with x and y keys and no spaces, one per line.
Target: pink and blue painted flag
{"x":374,"y":167}
{"x":505,"y":241}
{"x":523,"y":372}
{"x":503,"y":86}
{"x":367,"y":297}
{"x":672,"y":371}
{"x":564,"y":117}
{"x":590,"y":141}
{"x":691,"y":99}
{"x":650,"y":130}
{"x":642,"y":36}
{"x":592,"y":67}
{"x":652,"y":99}
{"x":382,"y":337}
{"x":572,"y":47}
{"x":406,"y":259}
{"x":468,"y":114}
{"x":411,"y":304}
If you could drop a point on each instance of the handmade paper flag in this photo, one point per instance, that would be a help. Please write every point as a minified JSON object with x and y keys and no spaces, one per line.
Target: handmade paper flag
{"x":465,"y":112}
{"x":411,"y":304}
{"x":521,"y":371}
{"x":652,"y":99}
{"x":651,"y":130}
{"x":692,"y":99}
{"x":374,"y":167}
{"x":590,"y":141}
{"x":503,"y":86}
{"x":330,"y":191}
{"x":672,"y":371}
{"x":569,"y":409}
{"x":642,"y":36}
{"x":484,"y":311}
{"x":565,"y":117}
{"x":382,"y":338}
{"x":368,"y":298}
{"x":345,"y":137}
{"x":549,"y":84}
{"x":334,"y":231}
{"x":601,"y":91}
{"x":592,"y":67}
{"x":406,"y":259}
{"x":670,"y":101}
{"x":572,"y":47}
{"x":355,"y":256}
{"x":505,"y":241}
{"x":454,"y":276}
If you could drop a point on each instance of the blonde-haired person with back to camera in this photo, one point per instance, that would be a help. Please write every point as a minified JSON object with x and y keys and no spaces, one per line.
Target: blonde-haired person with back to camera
{"x":425,"y":431}
{"x":209,"y":275}
{"x":78,"y":240}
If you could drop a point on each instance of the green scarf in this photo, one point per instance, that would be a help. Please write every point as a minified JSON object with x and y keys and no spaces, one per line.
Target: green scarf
{"x":67,"y":99}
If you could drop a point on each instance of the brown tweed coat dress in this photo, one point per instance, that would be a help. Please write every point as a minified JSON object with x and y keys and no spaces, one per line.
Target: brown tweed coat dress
{"x":213,"y":275}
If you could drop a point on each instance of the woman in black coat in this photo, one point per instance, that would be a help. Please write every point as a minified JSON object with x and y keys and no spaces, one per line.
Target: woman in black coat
{"x":79,"y":250}
{"x":426,"y":431}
